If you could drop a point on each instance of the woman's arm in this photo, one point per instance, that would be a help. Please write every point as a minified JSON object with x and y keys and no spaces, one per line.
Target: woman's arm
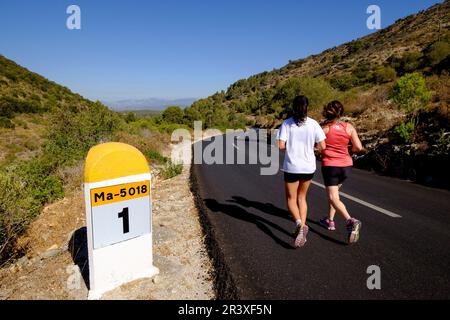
{"x":282,"y":145}
{"x":282,"y":137}
{"x":356,"y":142}
{"x":321,"y":146}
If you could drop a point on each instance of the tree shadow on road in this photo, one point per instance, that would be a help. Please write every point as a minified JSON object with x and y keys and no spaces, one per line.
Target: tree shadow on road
{"x":271,"y":209}
{"x":238,"y":212}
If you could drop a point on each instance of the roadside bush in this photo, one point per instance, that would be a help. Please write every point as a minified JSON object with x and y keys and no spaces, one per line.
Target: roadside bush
{"x":410,"y":93}
{"x":74,"y":132}
{"x":406,"y":130}
{"x":442,"y":145}
{"x":28,"y":185}
{"x":172,"y":170}
{"x":155,"y":156}
{"x":170,"y":127}
{"x":25,"y":189}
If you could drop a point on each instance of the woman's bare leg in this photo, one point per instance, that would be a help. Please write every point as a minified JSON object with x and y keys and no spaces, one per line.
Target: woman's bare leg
{"x":336,"y":203}
{"x":291,"y":198}
{"x":332,"y":212}
{"x":301,"y":200}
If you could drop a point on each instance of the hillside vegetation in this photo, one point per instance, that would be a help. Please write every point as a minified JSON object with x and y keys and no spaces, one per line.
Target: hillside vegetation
{"x":418,"y":43}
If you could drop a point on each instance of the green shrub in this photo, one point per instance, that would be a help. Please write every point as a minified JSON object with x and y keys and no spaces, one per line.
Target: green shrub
{"x":406,"y":130}
{"x":156,"y":156}
{"x":355,"y":47}
{"x":442,"y":145}
{"x":318,"y":90}
{"x":6,"y":123}
{"x":344,"y":82}
{"x":237,"y":121}
{"x":26,"y":188}
{"x":410,"y":93}
{"x":173,"y":115}
{"x":170,"y":127}
{"x":336,"y":59}
{"x":172,"y":170}
{"x":363,"y":73}
{"x":74,"y":132}
{"x":409,"y":62}
{"x":130,"y":117}
{"x":436,"y":53}
{"x":10,"y":106}
{"x":191,"y":115}
{"x":384,"y":75}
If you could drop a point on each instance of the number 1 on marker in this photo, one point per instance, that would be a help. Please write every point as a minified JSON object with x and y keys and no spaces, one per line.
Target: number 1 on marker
{"x":126,"y":220}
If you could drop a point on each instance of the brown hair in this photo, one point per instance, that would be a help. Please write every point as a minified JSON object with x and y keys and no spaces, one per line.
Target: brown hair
{"x":333,"y":110}
{"x":300,"y":109}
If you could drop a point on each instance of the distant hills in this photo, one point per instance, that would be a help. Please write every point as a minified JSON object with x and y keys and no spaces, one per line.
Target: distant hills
{"x":147,"y":104}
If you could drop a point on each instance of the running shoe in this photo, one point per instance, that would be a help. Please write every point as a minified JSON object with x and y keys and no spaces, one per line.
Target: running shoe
{"x":353,"y":229}
{"x":300,"y":236}
{"x":327,"y":224}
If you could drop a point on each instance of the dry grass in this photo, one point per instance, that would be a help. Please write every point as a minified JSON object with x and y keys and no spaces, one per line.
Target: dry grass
{"x":23,"y":142}
{"x":72,"y":178}
{"x":147,"y":140}
{"x":440,"y":86}
{"x":373,"y":111}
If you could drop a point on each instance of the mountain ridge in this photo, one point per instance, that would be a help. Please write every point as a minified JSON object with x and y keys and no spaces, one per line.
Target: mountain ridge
{"x":147,"y":104}
{"x":345,"y":67}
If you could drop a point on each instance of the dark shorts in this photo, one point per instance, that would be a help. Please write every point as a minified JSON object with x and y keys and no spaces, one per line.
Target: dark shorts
{"x":296,"y":177}
{"x":334,"y":176}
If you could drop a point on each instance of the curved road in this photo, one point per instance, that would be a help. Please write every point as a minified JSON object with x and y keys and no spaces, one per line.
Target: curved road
{"x":406,"y":232}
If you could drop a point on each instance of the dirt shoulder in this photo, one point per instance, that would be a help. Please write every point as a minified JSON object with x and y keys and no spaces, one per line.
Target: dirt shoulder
{"x":55,"y":264}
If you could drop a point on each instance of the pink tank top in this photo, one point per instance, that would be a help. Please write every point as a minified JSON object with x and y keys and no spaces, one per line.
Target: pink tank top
{"x":336,"y":153}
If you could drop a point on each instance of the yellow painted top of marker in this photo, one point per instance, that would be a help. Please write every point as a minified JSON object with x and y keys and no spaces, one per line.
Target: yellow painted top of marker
{"x":113,"y":160}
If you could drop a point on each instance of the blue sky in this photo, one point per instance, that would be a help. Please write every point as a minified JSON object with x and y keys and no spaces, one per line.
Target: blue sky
{"x":176,"y":49}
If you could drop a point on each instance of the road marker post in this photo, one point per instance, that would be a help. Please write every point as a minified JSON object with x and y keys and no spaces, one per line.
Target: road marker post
{"x":117,"y":191}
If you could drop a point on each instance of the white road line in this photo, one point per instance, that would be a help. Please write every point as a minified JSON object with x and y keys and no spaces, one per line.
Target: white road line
{"x":235,"y":146}
{"x":364,"y":203}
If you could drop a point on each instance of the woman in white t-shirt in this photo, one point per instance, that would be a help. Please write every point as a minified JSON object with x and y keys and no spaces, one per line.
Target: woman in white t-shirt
{"x":298,"y":136}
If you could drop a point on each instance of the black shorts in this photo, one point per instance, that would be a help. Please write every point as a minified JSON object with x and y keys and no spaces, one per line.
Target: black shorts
{"x":296,"y":177}
{"x":334,"y":176}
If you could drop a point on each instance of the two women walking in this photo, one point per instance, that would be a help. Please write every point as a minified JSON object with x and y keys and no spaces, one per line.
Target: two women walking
{"x":299,"y":136}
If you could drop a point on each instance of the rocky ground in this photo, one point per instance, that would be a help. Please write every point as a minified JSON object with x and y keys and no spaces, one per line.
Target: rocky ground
{"x":55,"y":263}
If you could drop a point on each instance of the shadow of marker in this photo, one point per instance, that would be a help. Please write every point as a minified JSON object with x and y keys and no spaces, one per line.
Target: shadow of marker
{"x":79,"y":252}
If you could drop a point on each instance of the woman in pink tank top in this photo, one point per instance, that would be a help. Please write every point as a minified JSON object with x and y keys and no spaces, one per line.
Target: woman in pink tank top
{"x":337,"y":164}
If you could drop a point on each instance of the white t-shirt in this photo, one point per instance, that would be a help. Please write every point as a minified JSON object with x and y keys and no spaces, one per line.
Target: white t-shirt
{"x":300,"y":141}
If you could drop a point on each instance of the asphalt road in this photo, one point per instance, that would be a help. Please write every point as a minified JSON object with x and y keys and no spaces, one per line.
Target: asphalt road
{"x":406,"y":232}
